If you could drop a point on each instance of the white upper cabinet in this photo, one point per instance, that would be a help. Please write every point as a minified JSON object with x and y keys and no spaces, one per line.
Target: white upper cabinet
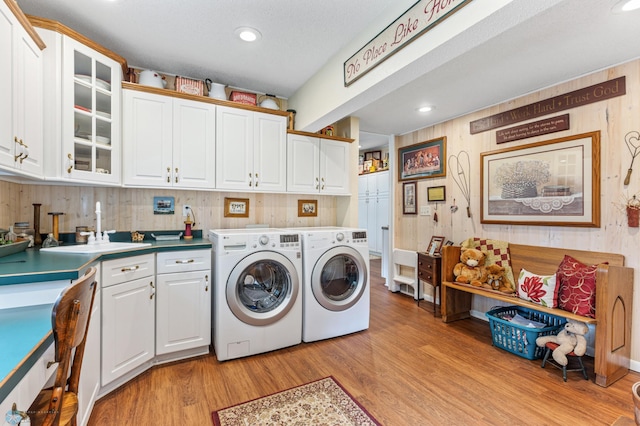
{"x":82,"y":105}
{"x":251,"y":150}
{"x":21,"y":103}
{"x":167,"y":141}
{"x":317,"y":166}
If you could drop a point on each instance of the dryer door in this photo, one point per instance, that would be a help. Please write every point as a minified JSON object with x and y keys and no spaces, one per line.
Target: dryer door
{"x":262,"y":288}
{"x":339,"y":278}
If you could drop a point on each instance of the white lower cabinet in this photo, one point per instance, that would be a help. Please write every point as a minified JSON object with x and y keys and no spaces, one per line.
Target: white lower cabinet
{"x":183,"y":306}
{"x":128,"y":315}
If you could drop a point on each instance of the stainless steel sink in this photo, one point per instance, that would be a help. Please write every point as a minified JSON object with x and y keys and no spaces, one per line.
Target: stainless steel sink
{"x":95,"y":248}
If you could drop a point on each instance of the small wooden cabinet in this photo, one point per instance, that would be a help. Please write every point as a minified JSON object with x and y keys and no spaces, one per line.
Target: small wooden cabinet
{"x":429,"y":273}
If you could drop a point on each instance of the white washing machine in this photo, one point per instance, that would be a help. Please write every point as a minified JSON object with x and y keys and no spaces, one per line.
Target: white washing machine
{"x":257,"y":297}
{"x":336,"y":292}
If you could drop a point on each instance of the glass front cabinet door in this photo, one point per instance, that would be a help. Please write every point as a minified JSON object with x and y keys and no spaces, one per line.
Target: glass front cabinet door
{"x":91,"y":114}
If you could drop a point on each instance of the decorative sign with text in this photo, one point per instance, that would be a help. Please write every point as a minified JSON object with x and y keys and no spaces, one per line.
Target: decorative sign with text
{"x":417,"y":20}
{"x":537,"y":128}
{"x":596,"y":93}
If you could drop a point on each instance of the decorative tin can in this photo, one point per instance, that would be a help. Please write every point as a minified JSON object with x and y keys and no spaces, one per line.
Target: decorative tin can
{"x":189,"y":86}
{"x":243,"y":97}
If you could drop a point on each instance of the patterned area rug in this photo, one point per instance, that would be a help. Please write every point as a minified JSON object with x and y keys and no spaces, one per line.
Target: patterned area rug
{"x":323,"y":402}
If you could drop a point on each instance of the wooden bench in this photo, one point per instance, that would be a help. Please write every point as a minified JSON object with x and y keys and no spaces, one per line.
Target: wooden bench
{"x":614,"y":300}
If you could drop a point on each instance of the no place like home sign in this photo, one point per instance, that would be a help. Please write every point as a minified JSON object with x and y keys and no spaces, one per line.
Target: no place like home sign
{"x":417,"y":20}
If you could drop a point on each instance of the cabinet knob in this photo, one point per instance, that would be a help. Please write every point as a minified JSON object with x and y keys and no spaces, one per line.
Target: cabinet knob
{"x":183,"y":261}
{"x":206,"y":280}
{"x":152,"y":292}
{"x":257,"y":180}
{"x":168,"y":174}
{"x":250,"y":179}
{"x":176,"y":175}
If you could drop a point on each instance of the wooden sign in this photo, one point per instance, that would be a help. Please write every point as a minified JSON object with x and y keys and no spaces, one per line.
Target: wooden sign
{"x":417,"y":20}
{"x":598,"y":92}
{"x":542,"y":127}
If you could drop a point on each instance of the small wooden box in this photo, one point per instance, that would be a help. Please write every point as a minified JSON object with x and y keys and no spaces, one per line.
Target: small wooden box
{"x":189,"y":86}
{"x":243,"y":97}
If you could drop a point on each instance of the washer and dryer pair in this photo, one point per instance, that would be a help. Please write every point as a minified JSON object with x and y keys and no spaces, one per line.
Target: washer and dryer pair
{"x":274,"y":288}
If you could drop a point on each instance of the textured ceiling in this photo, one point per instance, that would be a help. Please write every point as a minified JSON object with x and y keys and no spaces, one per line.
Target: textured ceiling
{"x":553,"y":41}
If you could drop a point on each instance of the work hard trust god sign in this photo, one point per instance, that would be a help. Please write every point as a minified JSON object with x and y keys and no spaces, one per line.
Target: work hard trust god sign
{"x":417,"y":20}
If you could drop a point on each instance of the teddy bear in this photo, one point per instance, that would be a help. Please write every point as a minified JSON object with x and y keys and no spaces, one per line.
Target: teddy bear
{"x":470,"y":269}
{"x":498,"y":280}
{"x":571,"y":338}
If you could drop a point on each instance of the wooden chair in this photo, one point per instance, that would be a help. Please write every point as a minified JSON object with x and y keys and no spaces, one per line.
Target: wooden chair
{"x":70,"y":317}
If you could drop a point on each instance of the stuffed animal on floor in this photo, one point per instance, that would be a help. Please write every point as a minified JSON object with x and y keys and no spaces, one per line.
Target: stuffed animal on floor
{"x":470,"y":269}
{"x":498,"y":280}
{"x":571,"y":338}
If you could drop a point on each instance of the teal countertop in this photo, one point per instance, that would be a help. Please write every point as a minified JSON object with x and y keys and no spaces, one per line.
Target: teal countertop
{"x":34,"y":266}
{"x":25,"y":332}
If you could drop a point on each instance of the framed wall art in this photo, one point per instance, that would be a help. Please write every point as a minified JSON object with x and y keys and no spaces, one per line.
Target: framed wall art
{"x":550,"y":183}
{"x":436,"y":193}
{"x":163,"y":205}
{"x":410,"y":198}
{"x":236,"y":207}
{"x":423,"y":160}
{"x":307,"y":208}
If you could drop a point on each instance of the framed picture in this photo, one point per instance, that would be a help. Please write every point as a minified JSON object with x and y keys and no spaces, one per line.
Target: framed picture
{"x":307,"y":208}
{"x":436,"y":193}
{"x":410,"y":198}
{"x":423,"y":160}
{"x":435,"y":246}
{"x":373,"y":155}
{"x":448,"y":243}
{"x":163,"y":205}
{"x":550,"y":183}
{"x":236,"y":207}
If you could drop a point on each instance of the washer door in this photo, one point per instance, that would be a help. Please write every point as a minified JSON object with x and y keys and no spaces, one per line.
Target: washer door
{"x":262,"y":288}
{"x":339,"y":278}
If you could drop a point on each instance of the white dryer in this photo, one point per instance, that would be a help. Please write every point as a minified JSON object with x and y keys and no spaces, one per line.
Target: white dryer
{"x":336,"y":293}
{"x":257,"y":297}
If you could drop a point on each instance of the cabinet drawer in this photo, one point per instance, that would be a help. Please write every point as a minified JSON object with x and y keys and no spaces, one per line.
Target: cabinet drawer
{"x":126,"y":269}
{"x":182,"y":261}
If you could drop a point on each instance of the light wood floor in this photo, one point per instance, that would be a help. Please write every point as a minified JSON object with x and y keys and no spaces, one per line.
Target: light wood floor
{"x":406,"y":369}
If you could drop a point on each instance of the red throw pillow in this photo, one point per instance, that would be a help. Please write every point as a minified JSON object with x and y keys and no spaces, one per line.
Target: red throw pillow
{"x":577,"y":283}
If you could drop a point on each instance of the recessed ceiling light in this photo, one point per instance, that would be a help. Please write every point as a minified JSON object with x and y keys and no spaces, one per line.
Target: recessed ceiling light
{"x":626,"y":6}
{"x":425,"y":109}
{"x":248,"y":33}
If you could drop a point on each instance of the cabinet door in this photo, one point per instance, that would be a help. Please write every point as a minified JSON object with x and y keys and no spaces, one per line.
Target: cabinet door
{"x":29,"y":92}
{"x":303,"y":164}
{"x":270,"y":152}
{"x":7,"y":143}
{"x":91,"y":84}
{"x":363,"y":185}
{"x":382,"y":219}
{"x":128,"y":327}
{"x":183,"y":313}
{"x":147,"y":139}
{"x":372,"y":225}
{"x":21,"y":106}
{"x":194,"y":142}
{"x":234,"y":149}
{"x":363,"y":214}
{"x":381,"y":183}
{"x":334,"y":167}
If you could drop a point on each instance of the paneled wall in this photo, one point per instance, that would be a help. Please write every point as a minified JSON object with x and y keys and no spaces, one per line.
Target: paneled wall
{"x":132,"y":209}
{"x":614,"y":118}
